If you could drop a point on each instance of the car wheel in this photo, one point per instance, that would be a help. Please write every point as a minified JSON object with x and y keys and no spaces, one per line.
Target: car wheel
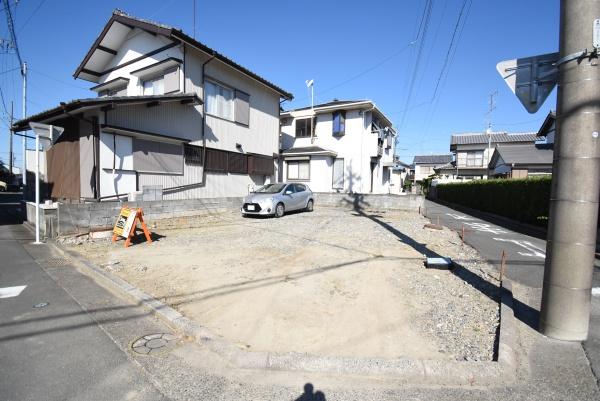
{"x":310,"y":205}
{"x":279,"y":210}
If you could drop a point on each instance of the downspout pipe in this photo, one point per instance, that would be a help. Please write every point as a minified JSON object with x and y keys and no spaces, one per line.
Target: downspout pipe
{"x":204,"y":120}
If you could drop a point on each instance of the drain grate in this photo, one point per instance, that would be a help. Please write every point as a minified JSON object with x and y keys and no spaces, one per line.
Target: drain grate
{"x":154,"y":343}
{"x":56,"y":262}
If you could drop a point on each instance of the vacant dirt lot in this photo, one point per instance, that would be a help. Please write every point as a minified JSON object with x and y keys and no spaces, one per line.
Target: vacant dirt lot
{"x":331,"y":282}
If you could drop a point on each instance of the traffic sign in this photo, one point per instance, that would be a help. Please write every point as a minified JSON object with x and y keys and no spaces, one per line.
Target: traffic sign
{"x":530,"y":78}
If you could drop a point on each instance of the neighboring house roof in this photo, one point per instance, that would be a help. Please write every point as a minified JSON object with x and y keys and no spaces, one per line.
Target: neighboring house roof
{"x":308,"y":150}
{"x":336,"y":103}
{"x":432,"y":159}
{"x":100,"y":49}
{"x":446,"y":167}
{"x":497,"y":137}
{"x":342,"y":105}
{"x":521,"y":154}
{"x":547,"y":125}
{"x":79,"y":105}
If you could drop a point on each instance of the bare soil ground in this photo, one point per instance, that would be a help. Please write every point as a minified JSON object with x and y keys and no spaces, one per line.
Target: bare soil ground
{"x":332,"y":282}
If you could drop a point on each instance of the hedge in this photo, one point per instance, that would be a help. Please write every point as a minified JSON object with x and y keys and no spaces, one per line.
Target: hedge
{"x":525,"y":200}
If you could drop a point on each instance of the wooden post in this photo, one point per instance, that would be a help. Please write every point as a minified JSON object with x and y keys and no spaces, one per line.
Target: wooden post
{"x":502,"y":265}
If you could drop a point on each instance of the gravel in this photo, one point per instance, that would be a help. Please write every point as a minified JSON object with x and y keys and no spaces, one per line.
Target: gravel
{"x":456,"y":310}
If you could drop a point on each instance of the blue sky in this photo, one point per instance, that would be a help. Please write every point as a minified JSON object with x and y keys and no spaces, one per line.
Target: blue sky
{"x":352,"y":49}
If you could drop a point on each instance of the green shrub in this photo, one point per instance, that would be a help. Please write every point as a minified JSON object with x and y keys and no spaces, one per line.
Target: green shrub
{"x":525,"y":200}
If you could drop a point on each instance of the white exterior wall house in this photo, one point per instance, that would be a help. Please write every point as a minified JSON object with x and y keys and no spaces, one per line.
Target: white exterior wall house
{"x":170,"y":112}
{"x":359,"y":160}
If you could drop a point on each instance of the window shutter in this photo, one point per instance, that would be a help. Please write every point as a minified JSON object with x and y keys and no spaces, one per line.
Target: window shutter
{"x":216,"y":160}
{"x":260,"y":165}
{"x":157,"y":157}
{"x":389,"y":140}
{"x":171,"y":80}
{"x":242,"y":107}
{"x":238,"y":163}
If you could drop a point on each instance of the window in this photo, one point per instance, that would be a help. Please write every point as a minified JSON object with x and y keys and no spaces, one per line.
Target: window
{"x":475,"y":159}
{"x":338,"y":174}
{"x":192,"y":155}
{"x":300,"y":187}
{"x":119,"y":91}
{"x":154,"y":86}
{"x":219,"y":100}
{"x":339,"y":123}
{"x":298,"y":170}
{"x":157,"y":157}
{"x":303,"y":127}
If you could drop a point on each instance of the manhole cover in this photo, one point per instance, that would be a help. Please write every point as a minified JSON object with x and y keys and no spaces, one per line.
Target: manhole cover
{"x":41,"y":305}
{"x":154,"y":343}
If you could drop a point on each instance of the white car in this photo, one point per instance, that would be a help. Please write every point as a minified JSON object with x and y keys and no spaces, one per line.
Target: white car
{"x":276,"y":199}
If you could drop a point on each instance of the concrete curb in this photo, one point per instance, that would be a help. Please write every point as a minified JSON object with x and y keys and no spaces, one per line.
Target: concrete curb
{"x":402,"y":370}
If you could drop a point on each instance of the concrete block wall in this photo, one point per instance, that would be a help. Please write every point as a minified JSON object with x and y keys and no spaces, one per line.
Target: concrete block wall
{"x":81,"y":218}
{"x":369,"y":201}
{"x":85,"y":217}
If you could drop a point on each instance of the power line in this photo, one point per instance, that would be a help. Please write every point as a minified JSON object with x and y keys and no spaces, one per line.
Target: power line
{"x":423,"y":28}
{"x":58,"y":80}
{"x":11,"y":29}
{"x":32,"y":14}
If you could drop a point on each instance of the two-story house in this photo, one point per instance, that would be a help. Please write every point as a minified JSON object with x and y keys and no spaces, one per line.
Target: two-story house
{"x":426,"y":165}
{"x":170,"y":113}
{"x":340,"y":146}
{"x":473,"y":151}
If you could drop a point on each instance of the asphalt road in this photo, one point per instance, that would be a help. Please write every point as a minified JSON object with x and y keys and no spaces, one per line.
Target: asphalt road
{"x":525,"y":257}
{"x":55,"y":352}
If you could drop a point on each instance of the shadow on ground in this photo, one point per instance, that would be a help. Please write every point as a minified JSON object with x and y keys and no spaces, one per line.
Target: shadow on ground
{"x":523,"y":312}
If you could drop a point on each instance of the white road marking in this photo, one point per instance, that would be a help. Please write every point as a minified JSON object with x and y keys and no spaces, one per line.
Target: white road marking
{"x":458,"y":216}
{"x":10,"y":292}
{"x":534,"y":251}
{"x":596,"y":291}
{"x":488,"y":228}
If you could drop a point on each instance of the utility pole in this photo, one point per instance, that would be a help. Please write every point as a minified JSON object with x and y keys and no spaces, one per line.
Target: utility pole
{"x":10,"y":144}
{"x":566,"y":293}
{"x":489,"y":129}
{"x":24,"y":139}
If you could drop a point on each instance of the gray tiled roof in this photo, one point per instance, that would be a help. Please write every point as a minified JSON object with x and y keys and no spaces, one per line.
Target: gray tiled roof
{"x":432,"y":159}
{"x":525,"y":154}
{"x":497,"y":137}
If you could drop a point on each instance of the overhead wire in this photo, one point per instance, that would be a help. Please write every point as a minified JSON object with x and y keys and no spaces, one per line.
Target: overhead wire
{"x":41,"y":3}
{"x":423,"y":28}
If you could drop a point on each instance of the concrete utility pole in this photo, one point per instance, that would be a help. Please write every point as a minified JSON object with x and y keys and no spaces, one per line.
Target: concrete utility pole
{"x":573,"y":220}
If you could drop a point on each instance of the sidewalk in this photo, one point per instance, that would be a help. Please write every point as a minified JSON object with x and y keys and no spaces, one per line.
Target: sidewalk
{"x":525,"y":266}
{"x":50,"y":348}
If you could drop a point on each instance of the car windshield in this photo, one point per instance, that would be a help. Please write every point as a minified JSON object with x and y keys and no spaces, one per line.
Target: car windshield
{"x":270,"y":189}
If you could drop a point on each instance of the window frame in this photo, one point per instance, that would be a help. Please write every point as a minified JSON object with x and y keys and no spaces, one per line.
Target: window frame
{"x":333,"y":173}
{"x":341,"y":129}
{"x":309,"y":130}
{"x":221,"y":85}
{"x":472,"y":157}
{"x":153,"y":79}
{"x":287,"y":174}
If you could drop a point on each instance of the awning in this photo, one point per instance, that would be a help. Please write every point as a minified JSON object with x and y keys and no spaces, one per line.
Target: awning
{"x":307,"y":151}
{"x":113,"y":83}
{"x":156,"y":68}
{"x":142,"y":134}
{"x":80,"y":105}
{"x":389,"y":164}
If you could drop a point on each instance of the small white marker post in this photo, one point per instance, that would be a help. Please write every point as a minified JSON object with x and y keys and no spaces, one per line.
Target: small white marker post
{"x":40,"y":129}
